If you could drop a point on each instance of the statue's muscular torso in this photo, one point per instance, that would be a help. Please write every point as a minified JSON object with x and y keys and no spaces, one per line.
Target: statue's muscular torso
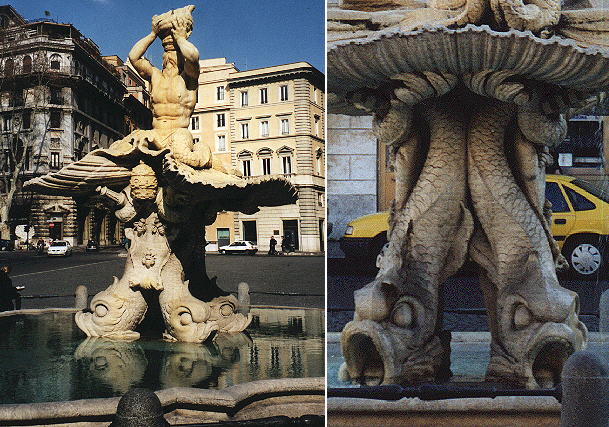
{"x":172,"y":101}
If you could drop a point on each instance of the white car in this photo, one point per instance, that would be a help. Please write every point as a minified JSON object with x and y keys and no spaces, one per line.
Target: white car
{"x":60,"y":248}
{"x":239,"y":247}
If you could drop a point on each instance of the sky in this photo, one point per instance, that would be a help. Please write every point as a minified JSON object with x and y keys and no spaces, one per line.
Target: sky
{"x":250,"y":33}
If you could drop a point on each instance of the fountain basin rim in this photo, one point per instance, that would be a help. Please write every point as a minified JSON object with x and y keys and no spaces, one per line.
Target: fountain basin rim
{"x":502,"y":404}
{"x":220,"y":401}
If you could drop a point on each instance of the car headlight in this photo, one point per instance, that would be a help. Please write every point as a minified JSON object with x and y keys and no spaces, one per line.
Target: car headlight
{"x":349,"y":230}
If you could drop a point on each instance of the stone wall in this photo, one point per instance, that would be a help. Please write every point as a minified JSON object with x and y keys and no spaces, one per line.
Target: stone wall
{"x":352,"y":167}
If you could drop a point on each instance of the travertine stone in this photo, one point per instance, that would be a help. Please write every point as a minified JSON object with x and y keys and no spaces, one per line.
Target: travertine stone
{"x":165,"y":189}
{"x":470,"y":96}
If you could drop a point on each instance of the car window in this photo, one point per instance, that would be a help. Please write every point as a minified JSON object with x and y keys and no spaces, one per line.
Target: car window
{"x":60,"y":244}
{"x":554,"y":195}
{"x":602,"y":192}
{"x":579,"y":202}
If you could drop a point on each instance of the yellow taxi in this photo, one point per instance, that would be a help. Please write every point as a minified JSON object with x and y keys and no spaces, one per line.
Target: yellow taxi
{"x":580,"y":225}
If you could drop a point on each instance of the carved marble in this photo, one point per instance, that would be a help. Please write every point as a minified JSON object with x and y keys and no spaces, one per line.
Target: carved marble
{"x":165,"y":189}
{"x":470,"y":96}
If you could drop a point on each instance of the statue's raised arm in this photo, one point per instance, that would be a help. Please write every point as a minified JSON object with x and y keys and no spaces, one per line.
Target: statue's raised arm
{"x":180,"y":31}
{"x":136,"y":55}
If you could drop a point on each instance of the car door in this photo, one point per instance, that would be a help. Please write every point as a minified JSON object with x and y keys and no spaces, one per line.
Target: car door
{"x":563,"y":217}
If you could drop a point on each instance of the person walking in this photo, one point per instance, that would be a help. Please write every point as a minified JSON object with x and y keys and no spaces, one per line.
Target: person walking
{"x":8,"y":293}
{"x":272,"y":244}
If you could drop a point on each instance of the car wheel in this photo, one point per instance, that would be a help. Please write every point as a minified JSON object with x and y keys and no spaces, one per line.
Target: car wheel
{"x":585,"y":256}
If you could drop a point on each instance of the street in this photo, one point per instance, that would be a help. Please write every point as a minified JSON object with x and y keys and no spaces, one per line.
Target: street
{"x":462,"y":297}
{"x":42,"y":275}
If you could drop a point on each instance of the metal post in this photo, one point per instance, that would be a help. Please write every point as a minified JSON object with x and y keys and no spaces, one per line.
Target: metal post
{"x":585,"y":391}
{"x":82,"y":297}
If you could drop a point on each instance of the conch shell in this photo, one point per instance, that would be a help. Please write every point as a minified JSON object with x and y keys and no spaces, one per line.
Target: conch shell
{"x":163,"y":23}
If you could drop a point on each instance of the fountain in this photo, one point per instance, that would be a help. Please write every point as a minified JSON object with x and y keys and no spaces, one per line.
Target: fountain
{"x":470,"y":96}
{"x":164,"y":324}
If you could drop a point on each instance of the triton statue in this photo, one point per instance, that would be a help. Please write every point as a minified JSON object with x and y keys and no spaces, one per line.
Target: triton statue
{"x":165,"y":189}
{"x":470,"y":96}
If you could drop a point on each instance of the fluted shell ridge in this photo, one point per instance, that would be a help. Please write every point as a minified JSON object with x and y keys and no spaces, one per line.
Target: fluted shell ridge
{"x":370,"y":62}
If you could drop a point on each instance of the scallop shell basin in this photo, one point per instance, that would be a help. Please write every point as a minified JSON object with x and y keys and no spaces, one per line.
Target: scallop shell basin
{"x":370,"y":62}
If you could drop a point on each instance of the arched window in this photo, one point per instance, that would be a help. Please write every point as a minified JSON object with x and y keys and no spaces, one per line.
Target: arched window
{"x":245,"y":158}
{"x":9,"y":67}
{"x":4,"y":21}
{"x":285,"y":154}
{"x":27,"y":64}
{"x":265,"y":159}
{"x":55,"y":62}
{"x":319,"y":155}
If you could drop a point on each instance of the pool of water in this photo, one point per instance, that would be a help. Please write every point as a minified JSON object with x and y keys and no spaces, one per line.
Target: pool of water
{"x":46,"y":358}
{"x":468,"y":361}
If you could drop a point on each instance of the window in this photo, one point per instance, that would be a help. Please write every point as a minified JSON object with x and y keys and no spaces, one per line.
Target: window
{"x":6,"y":160}
{"x":55,"y":62}
{"x":579,"y":202}
{"x":15,"y":99}
{"x":315,"y":97}
{"x":56,"y":97}
{"x":244,"y":101}
{"x":283,"y":92}
{"x":317,"y":123}
{"x":195,"y":141}
{"x":220,"y":120}
{"x":8,"y":122}
{"x":55,"y":121}
{"x":285,"y":126}
{"x":554,"y":195}
{"x":221,"y":143}
{"x":286,"y":162}
{"x":26,"y":119}
{"x":266,"y":166}
{"x":27,"y":64}
{"x":264,"y":96}
{"x":9,"y":67}
{"x":245,"y":130}
{"x":264,"y":128}
{"x":246,"y":163}
{"x":320,"y":161}
{"x":247,"y":167}
{"x":194,"y":122}
{"x":54,"y":161}
{"x":220,"y":93}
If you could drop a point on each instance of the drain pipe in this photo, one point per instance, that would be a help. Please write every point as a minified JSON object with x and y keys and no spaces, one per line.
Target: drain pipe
{"x":585,"y":384}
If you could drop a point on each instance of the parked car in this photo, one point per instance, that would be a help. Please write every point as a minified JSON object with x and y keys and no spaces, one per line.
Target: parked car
{"x":579,"y":225}
{"x":7,"y":245}
{"x":92,"y":246}
{"x":239,"y":247}
{"x":60,"y":248}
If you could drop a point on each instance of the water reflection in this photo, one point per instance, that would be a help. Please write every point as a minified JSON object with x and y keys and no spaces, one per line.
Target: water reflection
{"x":118,"y":364}
{"x":45,"y":358}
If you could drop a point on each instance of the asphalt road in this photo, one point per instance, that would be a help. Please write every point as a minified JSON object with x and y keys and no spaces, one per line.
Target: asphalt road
{"x":461,"y":294}
{"x":60,"y":276}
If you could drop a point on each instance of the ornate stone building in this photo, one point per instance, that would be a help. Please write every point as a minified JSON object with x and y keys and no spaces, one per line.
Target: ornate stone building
{"x":68,"y":101}
{"x":267,"y":121}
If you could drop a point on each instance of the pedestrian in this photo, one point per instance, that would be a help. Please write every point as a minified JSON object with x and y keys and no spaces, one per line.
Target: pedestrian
{"x":272,"y":244}
{"x":8,"y":293}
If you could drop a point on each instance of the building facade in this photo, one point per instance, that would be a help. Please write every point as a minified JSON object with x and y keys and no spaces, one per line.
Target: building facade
{"x":67,"y":101}
{"x":267,"y":122}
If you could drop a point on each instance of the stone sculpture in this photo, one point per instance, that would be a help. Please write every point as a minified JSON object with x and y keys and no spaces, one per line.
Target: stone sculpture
{"x":470,"y":96}
{"x":165,"y":188}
